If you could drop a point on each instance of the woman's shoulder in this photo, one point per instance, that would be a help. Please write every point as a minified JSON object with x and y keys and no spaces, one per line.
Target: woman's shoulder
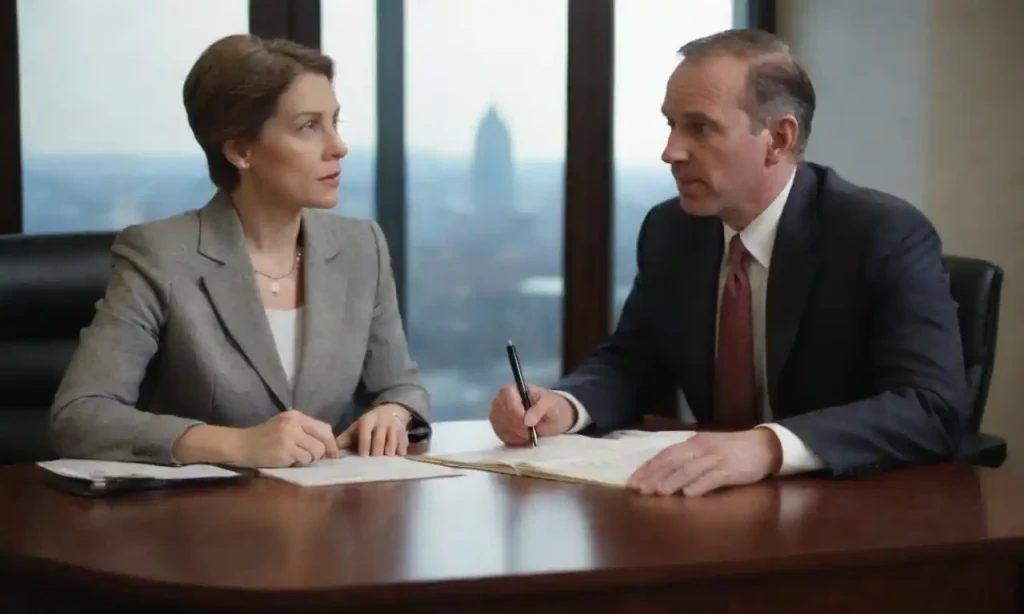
{"x":346,"y":231}
{"x":340,"y":222}
{"x":160,"y":238}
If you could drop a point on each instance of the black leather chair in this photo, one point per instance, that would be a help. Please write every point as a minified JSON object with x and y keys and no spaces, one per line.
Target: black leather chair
{"x":49,"y":285}
{"x":977,"y":286}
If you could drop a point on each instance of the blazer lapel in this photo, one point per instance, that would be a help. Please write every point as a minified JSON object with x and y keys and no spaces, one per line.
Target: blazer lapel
{"x":235,"y":296}
{"x":793,"y":268}
{"x":323,"y":323}
{"x":699,"y":258}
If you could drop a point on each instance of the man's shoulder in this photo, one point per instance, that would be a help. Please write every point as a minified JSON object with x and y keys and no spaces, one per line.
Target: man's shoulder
{"x":664,"y":225}
{"x":667,"y":217}
{"x":846,"y":206}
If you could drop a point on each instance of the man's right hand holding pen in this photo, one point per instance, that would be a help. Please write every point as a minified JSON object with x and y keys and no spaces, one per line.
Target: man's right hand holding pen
{"x":550,"y":412}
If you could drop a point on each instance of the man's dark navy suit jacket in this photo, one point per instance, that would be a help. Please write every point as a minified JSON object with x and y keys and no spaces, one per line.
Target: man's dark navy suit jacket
{"x":863,"y":347}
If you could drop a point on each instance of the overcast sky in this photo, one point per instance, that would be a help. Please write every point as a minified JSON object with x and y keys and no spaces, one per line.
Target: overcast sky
{"x":106,"y":75}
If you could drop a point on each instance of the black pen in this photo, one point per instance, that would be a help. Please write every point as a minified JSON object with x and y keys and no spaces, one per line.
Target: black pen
{"x":524,"y":392}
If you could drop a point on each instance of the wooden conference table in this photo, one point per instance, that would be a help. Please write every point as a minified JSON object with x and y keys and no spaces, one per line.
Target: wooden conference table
{"x":931,"y":539}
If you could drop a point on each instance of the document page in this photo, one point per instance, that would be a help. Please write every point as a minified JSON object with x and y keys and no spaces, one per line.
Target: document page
{"x":612,"y":468}
{"x":574,"y":458}
{"x":95,"y":470}
{"x":355,"y":469}
{"x":561,"y":447}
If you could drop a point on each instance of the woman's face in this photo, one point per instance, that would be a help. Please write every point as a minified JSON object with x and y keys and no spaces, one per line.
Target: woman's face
{"x":297,"y":157}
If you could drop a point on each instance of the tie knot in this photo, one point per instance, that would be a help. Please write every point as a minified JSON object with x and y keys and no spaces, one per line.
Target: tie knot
{"x":737,"y":252}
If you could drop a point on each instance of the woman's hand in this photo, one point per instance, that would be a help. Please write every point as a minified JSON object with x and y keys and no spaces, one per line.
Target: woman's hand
{"x":289,"y":438}
{"x":380,"y":431}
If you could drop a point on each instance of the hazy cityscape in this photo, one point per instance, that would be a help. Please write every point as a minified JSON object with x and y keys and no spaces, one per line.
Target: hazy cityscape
{"x":484,"y":245}
{"x":106,"y":144}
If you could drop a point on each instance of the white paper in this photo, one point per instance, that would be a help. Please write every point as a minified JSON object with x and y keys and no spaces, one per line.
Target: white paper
{"x":99,"y":470}
{"x":565,"y":447}
{"x":611,"y":468}
{"x":666,"y":437}
{"x":355,"y":469}
{"x":610,"y":460}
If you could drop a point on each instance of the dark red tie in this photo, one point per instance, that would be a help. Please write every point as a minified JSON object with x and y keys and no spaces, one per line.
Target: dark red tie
{"x":735,"y":383}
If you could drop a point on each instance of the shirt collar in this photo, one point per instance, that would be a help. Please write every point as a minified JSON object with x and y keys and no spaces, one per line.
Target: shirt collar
{"x":759,"y":236}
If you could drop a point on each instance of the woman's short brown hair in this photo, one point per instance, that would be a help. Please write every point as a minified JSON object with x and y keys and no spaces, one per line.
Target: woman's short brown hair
{"x":233,"y":89}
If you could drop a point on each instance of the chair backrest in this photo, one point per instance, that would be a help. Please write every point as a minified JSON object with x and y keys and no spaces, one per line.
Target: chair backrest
{"x":49,"y":286}
{"x":976,"y":286}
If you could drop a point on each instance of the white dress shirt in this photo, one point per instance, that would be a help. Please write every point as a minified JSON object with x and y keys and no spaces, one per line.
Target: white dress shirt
{"x":759,"y":239}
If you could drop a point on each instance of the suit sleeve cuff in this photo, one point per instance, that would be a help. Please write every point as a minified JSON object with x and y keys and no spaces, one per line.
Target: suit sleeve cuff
{"x":156,"y":438}
{"x":582,"y":417}
{"x":796,"y":456}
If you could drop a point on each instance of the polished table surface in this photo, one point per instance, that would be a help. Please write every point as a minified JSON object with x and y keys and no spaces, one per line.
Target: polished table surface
{"x":485,"y":535}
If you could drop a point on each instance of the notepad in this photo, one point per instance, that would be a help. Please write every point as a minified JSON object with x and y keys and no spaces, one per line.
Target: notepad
{"x":97,"y":470}
{"x":581,"y":459}
{"x":355,"y":469}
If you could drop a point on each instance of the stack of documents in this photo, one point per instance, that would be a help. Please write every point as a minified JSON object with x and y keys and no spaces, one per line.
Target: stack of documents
{"x":99,"y":471}
{"x":607,"y":461}
{"x":98,"y":478}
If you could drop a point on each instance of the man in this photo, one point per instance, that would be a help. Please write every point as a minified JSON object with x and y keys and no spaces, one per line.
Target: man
{"x":845,"y":360}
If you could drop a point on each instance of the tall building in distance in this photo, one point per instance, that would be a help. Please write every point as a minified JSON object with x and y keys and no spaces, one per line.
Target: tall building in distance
{"x":493,"y":172}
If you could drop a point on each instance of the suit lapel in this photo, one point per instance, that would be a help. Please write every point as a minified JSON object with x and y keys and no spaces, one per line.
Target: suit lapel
{"x":325,"y":292}
{"x":793,"y":268}
{"x":699,"y":257}
{"x":235,"y":296}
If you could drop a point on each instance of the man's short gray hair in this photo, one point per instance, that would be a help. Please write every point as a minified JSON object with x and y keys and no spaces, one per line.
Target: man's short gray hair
{"x":777,"y":83}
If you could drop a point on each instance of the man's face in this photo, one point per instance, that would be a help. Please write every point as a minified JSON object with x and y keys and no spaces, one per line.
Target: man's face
{"x":716,"y":161}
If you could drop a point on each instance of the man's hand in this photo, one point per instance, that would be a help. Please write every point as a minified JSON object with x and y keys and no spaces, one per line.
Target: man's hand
{"x":708,"y":461}
{"x":380,"y":431}
{"x":550,"y":413}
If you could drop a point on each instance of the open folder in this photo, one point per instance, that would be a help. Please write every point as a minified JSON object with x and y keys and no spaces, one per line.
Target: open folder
{"x":608,"y":461}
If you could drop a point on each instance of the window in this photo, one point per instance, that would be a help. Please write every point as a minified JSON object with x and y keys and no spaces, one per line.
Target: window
{"x":348,"y":35}
{"x":485,"y":147}
{"x":648,"y":35}
{"x":105,"y":140}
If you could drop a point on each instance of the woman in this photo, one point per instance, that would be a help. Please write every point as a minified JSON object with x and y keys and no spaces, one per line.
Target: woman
{"x":257,"y":330}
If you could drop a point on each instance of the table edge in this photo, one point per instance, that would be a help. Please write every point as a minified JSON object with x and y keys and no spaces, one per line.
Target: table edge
{"x":432,"y":590}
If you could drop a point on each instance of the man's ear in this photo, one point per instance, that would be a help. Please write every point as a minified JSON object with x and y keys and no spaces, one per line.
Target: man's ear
{"x":784,"y":133}
{"x":236,"y":153}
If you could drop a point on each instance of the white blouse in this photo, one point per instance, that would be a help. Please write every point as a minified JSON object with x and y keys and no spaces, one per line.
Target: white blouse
{"x":286,"y":325}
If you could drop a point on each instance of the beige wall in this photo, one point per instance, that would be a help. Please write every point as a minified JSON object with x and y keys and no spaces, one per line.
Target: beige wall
{"x":925,"y":99}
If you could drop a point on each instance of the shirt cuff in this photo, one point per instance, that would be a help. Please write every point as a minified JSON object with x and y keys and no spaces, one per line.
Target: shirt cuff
{"x":796,"y":456}
{"x":582,"y":417}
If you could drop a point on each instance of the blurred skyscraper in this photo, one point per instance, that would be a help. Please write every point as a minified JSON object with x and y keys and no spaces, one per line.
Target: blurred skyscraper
{"x":493,"y":173}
